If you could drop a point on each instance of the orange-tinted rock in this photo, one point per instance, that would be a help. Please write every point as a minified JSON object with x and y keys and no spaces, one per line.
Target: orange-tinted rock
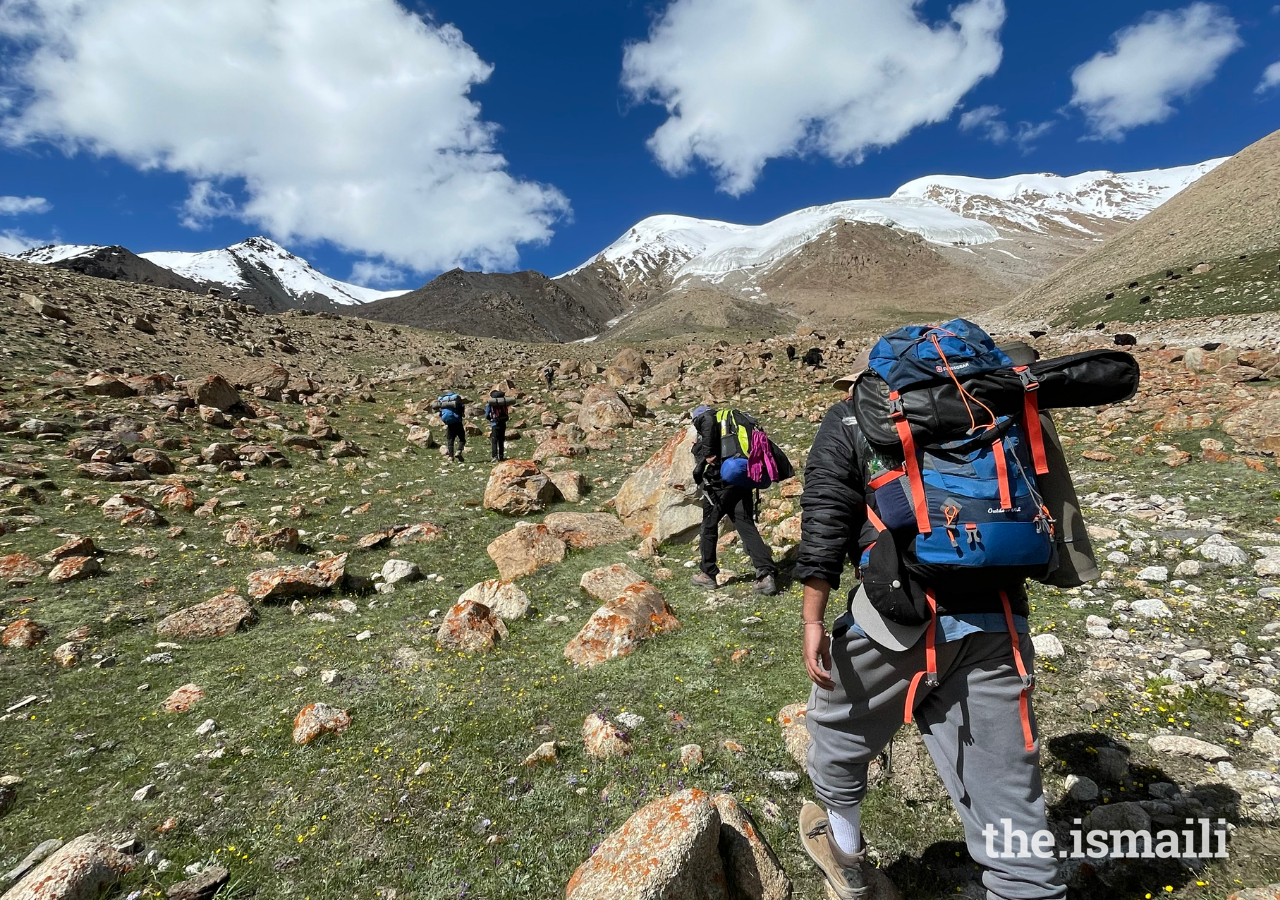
{"x":582,"y":531}
{"x":602,"y":740}
{"x":213,"y":618}
{"x":82,"y":869}
{"x":524,"y":550}
{"x":750,"y":866}
{"x":787,"y":531}
{"x":74,"y":568}
{"x":284,"y":582}
{"x":281,"y":539}
{"x":23,"y":635}
{"x":68,"y":654}
{"x":422,"y":533}
{"x":506,"y":600}
{"x":316,"y":719}
{"x":617,"y":628}
{"x":19,"y":565}
{"x":1256,"y":427}
{"x":471,"y":628}
{"x":183,"y":698}
{"x":213,"y":391}
{"x":76,"y":546}
{"x":517,"y":488}
{"x":607,"y":582}
{"x":668,"y":850}
{"x":178,"y":496}
{"x":660,"y":499}
{"x":241,"y":533}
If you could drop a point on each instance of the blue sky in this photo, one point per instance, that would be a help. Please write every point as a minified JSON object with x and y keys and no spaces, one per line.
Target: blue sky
{"x":557,"y":161}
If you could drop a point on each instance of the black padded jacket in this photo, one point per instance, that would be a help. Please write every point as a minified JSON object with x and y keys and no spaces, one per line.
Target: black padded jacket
{"x":834,"y":500}
{"x":707,"y":444}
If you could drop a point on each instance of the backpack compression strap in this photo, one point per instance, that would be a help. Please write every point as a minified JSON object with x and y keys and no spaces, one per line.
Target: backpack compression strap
{"x":1031,"y":416}
{"x":1028,"y":680}
{"x":912,"y":462}
{"x":930,"y":673}
{"x":1002,"y":474}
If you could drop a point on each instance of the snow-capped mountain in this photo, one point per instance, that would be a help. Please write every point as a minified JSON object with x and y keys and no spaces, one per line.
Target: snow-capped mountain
{"x":242,"y":267}
{"x":258,"y":272}
{"x":54,"y":253}
{"x":678,"y":247}
{"x":1039,"y":202}
{"x":946,"y":211}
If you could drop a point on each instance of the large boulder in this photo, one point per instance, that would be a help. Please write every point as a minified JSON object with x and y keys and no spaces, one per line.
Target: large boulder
{"x":470,"y":627}
{"x":602,"y":408}
{"x":660,"y":499}
{"x":102,"y":385}
{"x":524,"y":550}
{"x":285,"y":582}
{"x":74,"y":568}
{"x":213,"y":391}
{"x":1256,"y":427}
{"x":517,"y":488}
{"x":23,"y":635}
{"x":750,"y":866}
{"x":607,"y":582}
{"x":582,"y":531}
{"x":82,"y":869}
{"x":506,"y":600}
{"x":668,"y":850}
{"x":617,"y":628}
{"x":213,"y":618}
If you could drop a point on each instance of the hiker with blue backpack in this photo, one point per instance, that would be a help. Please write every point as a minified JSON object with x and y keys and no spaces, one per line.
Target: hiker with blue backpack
{"x":452,"y":407}
{"x":940,"y":476}
{"x":733,"y":461}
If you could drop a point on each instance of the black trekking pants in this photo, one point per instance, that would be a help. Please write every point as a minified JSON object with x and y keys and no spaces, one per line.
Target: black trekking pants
{"x":739,"y":505}
{"x":498,"y":440}
{"x":456,"y":433}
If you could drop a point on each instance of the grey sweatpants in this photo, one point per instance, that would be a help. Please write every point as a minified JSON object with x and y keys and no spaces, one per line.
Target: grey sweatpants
{"x":971,"y":726}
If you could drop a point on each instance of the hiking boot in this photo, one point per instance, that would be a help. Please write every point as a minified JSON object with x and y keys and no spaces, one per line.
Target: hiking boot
{"x":703,"y":580}
{"x":844,"y":873}
{"x":768,"y":585}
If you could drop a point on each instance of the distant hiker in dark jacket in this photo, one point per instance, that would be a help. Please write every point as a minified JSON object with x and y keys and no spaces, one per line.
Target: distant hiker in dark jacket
{"x":719,"y":500}
{"x":867,"y":675}
{"x":549,"y":374}
{"x":496,"y":412}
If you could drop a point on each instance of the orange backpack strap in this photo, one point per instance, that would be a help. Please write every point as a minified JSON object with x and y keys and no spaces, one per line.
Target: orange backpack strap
{"x":876,"y":522}
{"x":912,"y":462}
{"x":1031,"y":417}
{"x":1002,"y":474}
{"x":1028,"y":680}
{"x":930,"y":673}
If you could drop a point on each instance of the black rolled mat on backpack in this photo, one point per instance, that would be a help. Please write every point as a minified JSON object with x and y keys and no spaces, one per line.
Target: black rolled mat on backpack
{"x":939,"y":412}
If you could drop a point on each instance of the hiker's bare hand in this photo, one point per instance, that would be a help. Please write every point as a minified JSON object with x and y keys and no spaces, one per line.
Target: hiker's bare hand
{"x":817,"y":656}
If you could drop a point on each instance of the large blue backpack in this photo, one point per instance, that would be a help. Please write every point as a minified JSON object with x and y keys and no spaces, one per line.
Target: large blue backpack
{"x":448,"y":413}
{"x":964,"y":506}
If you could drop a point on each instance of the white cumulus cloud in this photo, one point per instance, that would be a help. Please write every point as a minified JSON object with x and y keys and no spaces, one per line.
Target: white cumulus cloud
{"x":17,"y":206}
{"x":334,"y":120}
{"x":1270,"y":78}
{"x":1163,"y":57}
{"x":745,"y":81}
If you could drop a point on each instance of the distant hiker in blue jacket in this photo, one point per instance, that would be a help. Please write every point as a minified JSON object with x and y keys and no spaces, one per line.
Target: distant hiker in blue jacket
{"x":452,"y":407}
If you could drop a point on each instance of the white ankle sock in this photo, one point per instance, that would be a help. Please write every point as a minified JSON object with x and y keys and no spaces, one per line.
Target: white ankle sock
{"x":845,"y":829}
